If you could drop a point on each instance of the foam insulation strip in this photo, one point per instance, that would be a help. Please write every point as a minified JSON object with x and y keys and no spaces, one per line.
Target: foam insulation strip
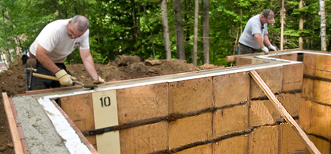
{"x":72,"y":140}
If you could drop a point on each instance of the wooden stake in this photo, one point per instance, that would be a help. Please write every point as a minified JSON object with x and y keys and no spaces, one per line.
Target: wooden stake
{"x":12,"y":125}
{"x":310,"y":145}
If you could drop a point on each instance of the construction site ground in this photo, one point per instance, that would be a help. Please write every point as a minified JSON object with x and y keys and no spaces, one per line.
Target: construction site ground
{"x":13,"y":81}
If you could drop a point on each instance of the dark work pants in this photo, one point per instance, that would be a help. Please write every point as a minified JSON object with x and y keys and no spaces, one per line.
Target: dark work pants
{"x":243,"y":49}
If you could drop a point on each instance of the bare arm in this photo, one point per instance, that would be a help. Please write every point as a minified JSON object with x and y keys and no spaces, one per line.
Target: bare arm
{"x":42,"y":57}
{"x":266,"y":40}
{"x":258,"y":39}
{"x":88,"y":62}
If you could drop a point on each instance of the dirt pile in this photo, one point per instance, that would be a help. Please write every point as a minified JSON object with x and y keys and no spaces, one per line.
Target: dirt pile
{"x":13,"y":80}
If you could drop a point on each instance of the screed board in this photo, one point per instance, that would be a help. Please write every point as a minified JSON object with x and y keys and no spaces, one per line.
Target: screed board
{"x":142,"y":102}
{"x":230,"y":120}
{"x":105,"y":115}
{"x":264,"y":140}
{"x":231,"y":88}
{"x":235,"y":145}
{"x":190,"y":95}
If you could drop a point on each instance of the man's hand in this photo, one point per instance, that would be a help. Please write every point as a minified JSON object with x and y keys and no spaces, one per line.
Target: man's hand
{"x":100,"y":80}
{"x":63,"y":77}
{"x":271,"y":47}
{"x":265,"y":50}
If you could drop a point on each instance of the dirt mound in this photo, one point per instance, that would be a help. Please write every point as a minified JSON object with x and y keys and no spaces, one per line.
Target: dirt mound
{"x":13,"y":80}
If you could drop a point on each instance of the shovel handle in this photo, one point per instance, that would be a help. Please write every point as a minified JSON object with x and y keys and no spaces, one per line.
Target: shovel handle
{"x":45,"y":76}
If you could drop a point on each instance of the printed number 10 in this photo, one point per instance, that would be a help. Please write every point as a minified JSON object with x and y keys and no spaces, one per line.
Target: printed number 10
{"x":105,"y":101}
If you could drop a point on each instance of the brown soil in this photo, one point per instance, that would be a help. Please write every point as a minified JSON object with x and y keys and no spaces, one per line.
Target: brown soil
{"x":13,"y":81}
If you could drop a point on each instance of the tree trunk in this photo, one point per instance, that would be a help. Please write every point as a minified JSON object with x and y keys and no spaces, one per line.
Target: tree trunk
{"x":195,"y":44}
{"x":150,"y":30}
{"x":300,"y":27}
{"x":179,"y":30}
{"x":58,"y":9}
{"x":134,"y":29}
{"x":165,"y":28}
{"x":282,"y":13}
{"x":8,"y":58}
{"x":323,"y":27}
{"x":205,"y":32}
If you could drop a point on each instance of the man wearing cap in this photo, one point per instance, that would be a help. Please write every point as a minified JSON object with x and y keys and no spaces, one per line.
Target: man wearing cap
{"x":255,"y":34}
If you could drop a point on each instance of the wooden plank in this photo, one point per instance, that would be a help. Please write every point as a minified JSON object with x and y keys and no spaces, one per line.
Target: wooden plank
{"x":145,"y":139}
{"x":230,"y":120}
{"x":292,"y":76}
{"x":322,"y":92}
{"x":202,"y":149}
{"x":323,"y":66}
{"x":105,"y":115}
{"x":142,"y":102}
{"x":291,"y":102}
{"x":235,"y":145}
{"x":312,"y":148}
{"x":12,"y":125}
{"x":189,"y":130}
{"x":240,"y":61}
{"x":231,"y":88}
{"x":309,"y":61}
{"x":190,"y":95}
{"x":79,"y":109}
{"x":264,"y":140}
{"x":308,"y":88}
{"x":290,"y":141}
{"x":262,"y":112}
{"x":272,"y":76}
{"x":322,"y":145}
{"x":315,"y":118}
{"x":231,"y":58}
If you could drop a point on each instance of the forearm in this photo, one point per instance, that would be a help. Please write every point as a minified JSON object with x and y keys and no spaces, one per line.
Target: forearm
{"x":266,"y":40}
{"x":89,"y":63}
{"x":42,"y":57}
{"x":258,"y":39}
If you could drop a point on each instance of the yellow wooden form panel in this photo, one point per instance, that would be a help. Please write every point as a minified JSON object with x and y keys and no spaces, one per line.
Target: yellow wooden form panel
{"x":322,"y":91}
{"x":264,"y":140}
{"x":292,"y":76}
{"x":105,"y":115}
{"x":291,"y":102}
{"x":233,"y":145}
{"x":262,"y":112}
{"x":201,"y":149}
{"x":322,"y":145}
{"x":315,"y":118}
{"x":308,"y":88}
{"x":323,"y":66}
{"x":273,"y":77}
{"x":309,"y":61}
{"x":290,"y":141}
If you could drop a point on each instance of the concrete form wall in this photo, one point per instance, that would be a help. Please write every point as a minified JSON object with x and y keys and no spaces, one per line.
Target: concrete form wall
{"x":219,"y":114}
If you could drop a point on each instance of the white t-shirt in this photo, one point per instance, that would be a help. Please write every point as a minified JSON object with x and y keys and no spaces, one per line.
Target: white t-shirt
{"x":252,"y":27}
{"x":54,"y":38}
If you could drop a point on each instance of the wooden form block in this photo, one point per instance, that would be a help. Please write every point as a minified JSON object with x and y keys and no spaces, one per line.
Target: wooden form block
{"x":235,"y":145}
{"x":262,"y":112}
{"x":290,"y":142}
{"x":292,"y":76}
{"x":189,"y":130}
{"x":315,"y":118}
{"x":292,"y":57}
{"x":323,"y":66}
{"x":145,"y":139}
{"x":231,"y":88}
{"x":143,"y":102}
{"x":230,"y":120}
{"x":309,"y":61}
{"x":257,"y":61}
{"x":190,"y":95}
{"x":322,"y":145}
{"x":291,"y":102}
{"x":240,"y":61}
{"x":202,"y":149}
{"x":272,"y":76}
{"x":308,"y":88}
{"x":264,"y":140}
{"x":322,"y":91}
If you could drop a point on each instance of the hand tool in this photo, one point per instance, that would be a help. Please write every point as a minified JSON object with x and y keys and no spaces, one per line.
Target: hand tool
{"x":31,"y":70}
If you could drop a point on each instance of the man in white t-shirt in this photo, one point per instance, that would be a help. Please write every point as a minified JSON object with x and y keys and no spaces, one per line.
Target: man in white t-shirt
{"x":255,"y":34}
{"x":51,"y":48}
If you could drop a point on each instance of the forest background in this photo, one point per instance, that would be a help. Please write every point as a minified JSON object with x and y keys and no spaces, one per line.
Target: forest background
{"x":136,"y":27}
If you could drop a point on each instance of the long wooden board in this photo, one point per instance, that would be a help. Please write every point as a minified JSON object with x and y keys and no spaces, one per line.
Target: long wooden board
{"x":311,"y":147}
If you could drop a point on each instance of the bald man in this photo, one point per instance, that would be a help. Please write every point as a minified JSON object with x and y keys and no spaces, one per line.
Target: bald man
{"x":255,"y":34}
{"x":51,"y":48}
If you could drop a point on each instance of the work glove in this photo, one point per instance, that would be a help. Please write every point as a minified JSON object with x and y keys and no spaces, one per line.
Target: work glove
{"x":100,"y":80}
{"x":271,"y":47}
{"x":64,"y":77}
{"x":265,"y":50}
